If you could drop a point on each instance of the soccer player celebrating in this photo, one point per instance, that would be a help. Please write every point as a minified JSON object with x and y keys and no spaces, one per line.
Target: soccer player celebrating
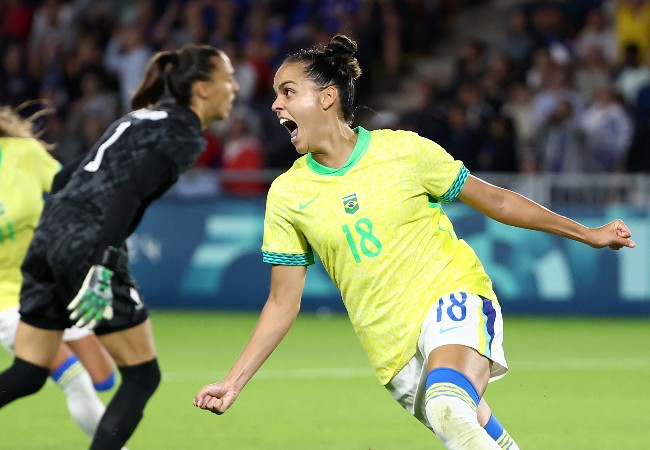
{"x":368,"y":204}
{"x":75,"y":270}
{"x":26,"y":173}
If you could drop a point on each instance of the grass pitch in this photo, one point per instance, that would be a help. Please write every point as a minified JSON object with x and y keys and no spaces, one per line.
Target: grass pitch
{"x":573,"y":384}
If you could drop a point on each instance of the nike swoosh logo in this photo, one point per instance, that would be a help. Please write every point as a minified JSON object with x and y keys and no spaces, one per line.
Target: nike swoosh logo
{"x":444,"y":330}
{"x":304,"y":205}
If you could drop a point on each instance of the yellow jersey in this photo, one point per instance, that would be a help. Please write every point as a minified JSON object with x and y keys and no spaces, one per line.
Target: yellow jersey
{"x":377,"y":226}
{"x":26,"y":172}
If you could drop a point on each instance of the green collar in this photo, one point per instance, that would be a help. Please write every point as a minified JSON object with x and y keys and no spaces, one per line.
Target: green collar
{"x":363,"y":142}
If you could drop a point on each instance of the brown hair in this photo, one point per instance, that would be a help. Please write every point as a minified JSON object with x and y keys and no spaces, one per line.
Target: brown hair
{"x":175,"y":71}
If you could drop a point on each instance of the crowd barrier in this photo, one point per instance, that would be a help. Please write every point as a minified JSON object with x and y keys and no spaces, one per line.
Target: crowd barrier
{"x":205,"y":253}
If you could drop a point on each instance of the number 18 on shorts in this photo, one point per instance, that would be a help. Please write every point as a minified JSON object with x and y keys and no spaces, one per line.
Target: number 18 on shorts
{"x":469,"y":320}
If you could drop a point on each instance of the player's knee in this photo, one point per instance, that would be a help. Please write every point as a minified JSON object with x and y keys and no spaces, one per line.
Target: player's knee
{"x":21,"y":379}
{"x":145,"y":377}
{"x":105,"y":385}
{"x":67,"y":370}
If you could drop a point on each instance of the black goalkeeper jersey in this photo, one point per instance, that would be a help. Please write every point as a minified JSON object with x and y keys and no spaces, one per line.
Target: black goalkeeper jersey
{"x":139,"y":157}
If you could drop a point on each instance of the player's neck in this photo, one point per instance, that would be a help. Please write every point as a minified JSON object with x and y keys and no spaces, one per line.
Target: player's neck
{"x":335,"y":147}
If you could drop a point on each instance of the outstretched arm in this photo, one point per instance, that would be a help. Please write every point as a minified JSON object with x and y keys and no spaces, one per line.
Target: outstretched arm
{"x":279,"y":313}
{"x":514,"y":209}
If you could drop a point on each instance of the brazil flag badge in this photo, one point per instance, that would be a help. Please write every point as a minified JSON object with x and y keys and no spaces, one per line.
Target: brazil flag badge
{"x":351,"y":204}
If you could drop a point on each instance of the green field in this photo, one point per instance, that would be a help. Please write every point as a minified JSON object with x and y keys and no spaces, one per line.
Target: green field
{"x":574,"y":384}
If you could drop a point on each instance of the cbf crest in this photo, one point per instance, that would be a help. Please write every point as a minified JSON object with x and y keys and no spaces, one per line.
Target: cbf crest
{"x":351,"y":204}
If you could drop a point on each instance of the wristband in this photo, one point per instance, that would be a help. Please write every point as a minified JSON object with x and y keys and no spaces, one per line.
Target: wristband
{"x":110,"y":257}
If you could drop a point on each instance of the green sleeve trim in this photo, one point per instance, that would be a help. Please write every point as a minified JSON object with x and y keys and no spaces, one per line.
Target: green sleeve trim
{"x":456,"y":186}
{"x":286,"y":259}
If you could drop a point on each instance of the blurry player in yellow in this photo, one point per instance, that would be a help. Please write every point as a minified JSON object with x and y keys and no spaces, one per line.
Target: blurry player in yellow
{"x":368,"y":204}
{"x":26,"y":173}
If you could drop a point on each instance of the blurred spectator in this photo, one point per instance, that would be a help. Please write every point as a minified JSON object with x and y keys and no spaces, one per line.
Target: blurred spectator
{"x":426,"y":116}
{"x":559,"y":88}
{"x":498,"y":153}
{"x":542,"y":66}
{"x":596,"y":33}
{"x":638,"y":159}
{"x":550,"y":27}
{"x":469,"y":64}
{"x":632,"y":22}
{"x":213,"y":153}
{"x":461,"y":139}
{"x":632,"y":76}
{"x":16,"y":84}
{"x":519,"y":109}
{"x":226,"y":21}
{"x":425,"y":24}
{"x":592,"y":73}
{"x":245,"y":73}
{"x":500,"y":76}
{"x":607,"y":130}
{"x":258,"y":54}
{"x":477,"y":110}
{"x":87,"y":56}
{"x":559,"y":141}
{"x":126,"y":56}
{"x":15,"y":20}
{"x":180,"y":24}
{"x":95,"y":109}
{"x":517,"y":43}
{"x":243,"y":151}
{"x":52,"y":37}
{"x":641,"y":109}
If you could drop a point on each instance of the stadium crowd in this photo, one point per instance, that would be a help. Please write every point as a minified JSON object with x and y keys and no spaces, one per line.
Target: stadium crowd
{"x":567,"y":89}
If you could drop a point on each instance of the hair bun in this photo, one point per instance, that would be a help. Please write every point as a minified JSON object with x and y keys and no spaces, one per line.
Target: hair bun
{"x":342,"y":45}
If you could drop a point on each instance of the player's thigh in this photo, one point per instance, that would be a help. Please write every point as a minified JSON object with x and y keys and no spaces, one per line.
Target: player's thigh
{"x":131,"y":346}
{"x":465,"y":360}
{"x":38,"y":346}
{"x":91,"y":353}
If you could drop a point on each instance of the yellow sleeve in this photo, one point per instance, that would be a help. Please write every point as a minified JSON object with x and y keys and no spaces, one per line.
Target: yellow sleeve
{"x":440,"y":174}
{"x":283,"y":243}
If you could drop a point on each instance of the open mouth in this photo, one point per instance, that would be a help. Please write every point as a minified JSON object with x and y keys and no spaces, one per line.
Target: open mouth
{"x":290,"y":125}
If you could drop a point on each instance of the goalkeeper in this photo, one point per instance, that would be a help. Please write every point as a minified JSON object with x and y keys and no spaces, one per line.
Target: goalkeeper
{"x":76,"y":268}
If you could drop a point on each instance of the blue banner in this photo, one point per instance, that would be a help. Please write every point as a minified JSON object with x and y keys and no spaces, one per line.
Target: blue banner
{"x":206,"y":254}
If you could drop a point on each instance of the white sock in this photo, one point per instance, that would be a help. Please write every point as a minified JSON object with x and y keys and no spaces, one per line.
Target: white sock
{"x":456,"y":424}
{"x":85,"y":407}
{"x":451,"y":403}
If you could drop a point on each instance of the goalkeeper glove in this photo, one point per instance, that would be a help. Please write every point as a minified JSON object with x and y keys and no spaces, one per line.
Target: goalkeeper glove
{"x":94,"y":300}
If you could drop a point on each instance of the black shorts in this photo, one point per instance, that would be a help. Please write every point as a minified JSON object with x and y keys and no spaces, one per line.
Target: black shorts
{"x":57,"y":262}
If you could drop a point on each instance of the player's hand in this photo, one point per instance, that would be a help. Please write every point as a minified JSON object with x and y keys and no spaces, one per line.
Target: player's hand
{"x":216,"y":397}
{"x":94,"y":300}
{"x":614,"y":235}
